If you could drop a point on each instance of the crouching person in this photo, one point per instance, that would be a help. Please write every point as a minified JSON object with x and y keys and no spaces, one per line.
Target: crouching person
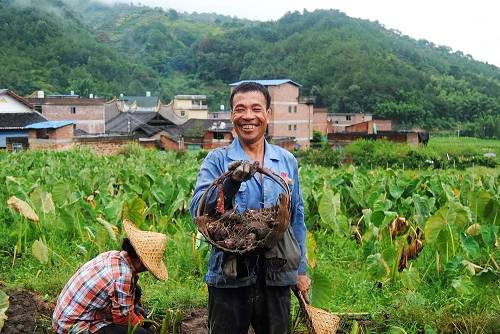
{"x":102,"y":296}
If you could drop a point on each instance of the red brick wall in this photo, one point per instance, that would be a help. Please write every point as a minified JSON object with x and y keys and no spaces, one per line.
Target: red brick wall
{"x":87,"y":118}
{"x":65,"y":132}
{"x":360,"y":127}
{"x":383,"y":125}
{"x":288,"y":117}
{"x":168,"y":144}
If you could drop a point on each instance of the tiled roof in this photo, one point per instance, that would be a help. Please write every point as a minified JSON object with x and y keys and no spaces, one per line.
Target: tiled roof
{"x":66,"y":101}
{"x":10,"y":121}
{"x":273,"y":82}
{"x":140,"y":101}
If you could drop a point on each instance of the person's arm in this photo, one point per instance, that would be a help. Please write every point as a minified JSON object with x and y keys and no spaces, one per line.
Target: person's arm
{"x":299,"y":230}
{"x":210,"y":170}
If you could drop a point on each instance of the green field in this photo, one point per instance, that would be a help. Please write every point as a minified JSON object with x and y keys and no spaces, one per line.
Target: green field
{"x":464,"y":144}
{"x":451,"y":286}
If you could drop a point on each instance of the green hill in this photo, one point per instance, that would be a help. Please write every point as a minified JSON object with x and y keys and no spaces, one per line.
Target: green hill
{"x":349,"y":65}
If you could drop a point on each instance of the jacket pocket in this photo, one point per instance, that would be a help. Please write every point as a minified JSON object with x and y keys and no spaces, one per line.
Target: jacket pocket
{"x":285,"y":255}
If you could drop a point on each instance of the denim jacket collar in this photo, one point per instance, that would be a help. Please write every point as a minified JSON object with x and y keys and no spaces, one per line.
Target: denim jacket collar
{"x":236,"y":152}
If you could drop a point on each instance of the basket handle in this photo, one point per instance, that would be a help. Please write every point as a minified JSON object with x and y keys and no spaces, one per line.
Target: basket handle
{"x":218,"y":181}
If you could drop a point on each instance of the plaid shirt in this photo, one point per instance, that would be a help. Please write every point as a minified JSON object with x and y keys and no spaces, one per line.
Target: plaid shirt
{"x":100,"y":293}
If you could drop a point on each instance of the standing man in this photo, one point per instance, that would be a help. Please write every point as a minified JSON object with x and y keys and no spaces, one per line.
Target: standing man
{"x":101,"y":297}
{"x":253,"y":289}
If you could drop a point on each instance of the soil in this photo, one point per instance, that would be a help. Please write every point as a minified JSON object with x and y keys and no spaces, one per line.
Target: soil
{"x":27,"y":314}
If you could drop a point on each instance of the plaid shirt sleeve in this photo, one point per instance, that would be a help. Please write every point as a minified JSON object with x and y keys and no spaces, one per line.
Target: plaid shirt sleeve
{"x":123,"y":297}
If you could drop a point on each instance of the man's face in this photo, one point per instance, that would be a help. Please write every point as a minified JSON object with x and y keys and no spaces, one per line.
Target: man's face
{"x":249,"y":116}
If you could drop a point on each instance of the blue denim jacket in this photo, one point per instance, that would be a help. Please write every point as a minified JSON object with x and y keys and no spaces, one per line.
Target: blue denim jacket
{"x":253,"y":194}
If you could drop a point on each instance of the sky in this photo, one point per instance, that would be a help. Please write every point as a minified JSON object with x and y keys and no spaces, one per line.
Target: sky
{"x":471,"y":26}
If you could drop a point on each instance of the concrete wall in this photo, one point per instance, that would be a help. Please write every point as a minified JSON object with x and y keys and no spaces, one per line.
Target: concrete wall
{"x":89,"y":118}
{"x":339,"y":122}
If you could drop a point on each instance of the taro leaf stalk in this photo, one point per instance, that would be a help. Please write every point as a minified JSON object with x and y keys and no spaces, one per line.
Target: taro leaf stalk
{"x":27,"y":213}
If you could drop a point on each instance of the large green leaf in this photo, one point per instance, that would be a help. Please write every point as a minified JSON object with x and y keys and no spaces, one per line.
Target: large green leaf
{"x":61,"y":193}
{"x":328,"y":206}
{"x":133,"y":210}
{"x":452,"y":216}
{"x":40,"y":251}
{"x":321,"y":289}
{"x":470,"y":245}
{"x":480,"y":203}
{"x":410,"y":278}
{"x":435,"y":224}
{"x":489,"y":234}
{"x":395,"y":189}
{"x":378,"y":267}
{"x":423,"y":208}
{"x":42,"y":200}
{"x":396,"y":330}
{"x":4,"y":306}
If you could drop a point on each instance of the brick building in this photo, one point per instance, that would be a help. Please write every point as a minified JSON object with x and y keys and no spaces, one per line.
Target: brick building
{"x":291,"y":116}
{"x":86,"y":113}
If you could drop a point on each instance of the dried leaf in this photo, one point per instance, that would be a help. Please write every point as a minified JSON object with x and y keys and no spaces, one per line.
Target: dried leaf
{"x":23,"y":208}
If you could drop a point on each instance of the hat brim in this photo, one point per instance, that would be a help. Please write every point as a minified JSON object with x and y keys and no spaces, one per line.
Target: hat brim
{"x":149,"y":246}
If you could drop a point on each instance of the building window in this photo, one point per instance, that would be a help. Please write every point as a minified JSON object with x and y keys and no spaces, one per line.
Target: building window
{"x":183,"y":113}
{"x":295,"y":127}
{"x":348,"y":117}
{"x":38,"y":108}
{"x":289,"y":127}
{"x":72,"y":110}
{"x":290,"y":109}
{"x":295,"y":109}
{"x":17,"y":147}
{"x":218,"y":135}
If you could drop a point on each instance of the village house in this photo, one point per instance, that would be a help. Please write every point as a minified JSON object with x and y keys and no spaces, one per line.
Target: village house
{"x":15,"y":114}
{"x":86,"y":113}
{"x":291,"y":115}
{"x":191,"y":106}
{"x":197,"y":134}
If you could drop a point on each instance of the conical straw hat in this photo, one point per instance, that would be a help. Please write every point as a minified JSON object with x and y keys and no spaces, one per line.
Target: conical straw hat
{"x":149,"y":246}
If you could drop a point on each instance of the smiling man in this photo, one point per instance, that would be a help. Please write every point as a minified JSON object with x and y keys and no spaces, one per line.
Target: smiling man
{"x":253,"y":289}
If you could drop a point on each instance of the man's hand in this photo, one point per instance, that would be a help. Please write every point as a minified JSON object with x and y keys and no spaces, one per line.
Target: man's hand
{"x":303,"y":284}
{"x":243,"y":170}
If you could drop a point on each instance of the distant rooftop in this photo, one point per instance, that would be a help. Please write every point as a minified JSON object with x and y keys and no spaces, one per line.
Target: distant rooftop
{"x":49,"y":125}
{"x":271,"y":82}
{"x":140,"y":101}
{"x":190,"y":97}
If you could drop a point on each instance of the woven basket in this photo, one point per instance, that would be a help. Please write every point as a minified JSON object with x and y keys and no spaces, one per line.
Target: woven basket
{"x":281,"y":215}
{"x":319,"y":321}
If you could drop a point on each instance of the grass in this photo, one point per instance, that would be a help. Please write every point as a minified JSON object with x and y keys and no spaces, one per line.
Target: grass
{"x":464,"y":145}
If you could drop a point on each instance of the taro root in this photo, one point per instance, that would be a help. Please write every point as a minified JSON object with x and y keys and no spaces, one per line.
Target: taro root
{"x":250,"y":230}
{"x":230,"y":243}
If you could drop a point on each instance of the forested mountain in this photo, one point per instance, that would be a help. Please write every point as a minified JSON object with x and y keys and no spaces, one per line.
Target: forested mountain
{"x":349,"y":65}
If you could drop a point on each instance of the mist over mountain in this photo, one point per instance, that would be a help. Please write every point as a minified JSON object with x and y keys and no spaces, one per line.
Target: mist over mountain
{"x":347,"y":64}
